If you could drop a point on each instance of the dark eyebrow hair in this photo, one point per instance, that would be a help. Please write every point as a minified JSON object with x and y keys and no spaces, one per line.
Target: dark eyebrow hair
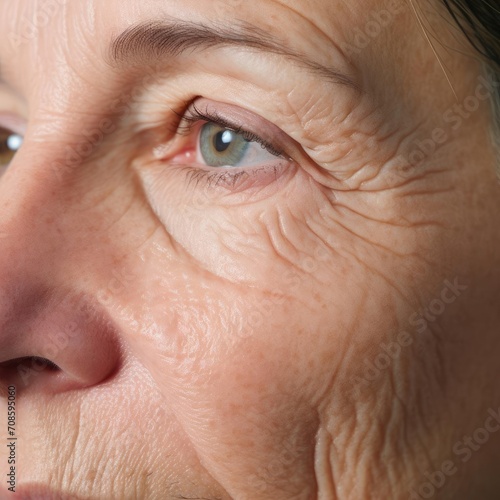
{"x":170,"y":39}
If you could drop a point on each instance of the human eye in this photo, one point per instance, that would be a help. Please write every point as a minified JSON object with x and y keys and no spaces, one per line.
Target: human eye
{"x":228,"y":147}
{"x":10,"y":142}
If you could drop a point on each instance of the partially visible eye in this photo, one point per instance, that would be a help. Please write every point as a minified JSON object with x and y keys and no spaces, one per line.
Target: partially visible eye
{"x":10,"y":142}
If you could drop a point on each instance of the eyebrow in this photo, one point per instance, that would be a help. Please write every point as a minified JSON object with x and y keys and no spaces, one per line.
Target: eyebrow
{"x":170,"y":39}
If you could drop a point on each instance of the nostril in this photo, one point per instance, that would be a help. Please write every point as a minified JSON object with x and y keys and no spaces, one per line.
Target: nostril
{"x":39,"y":362}
{"x":68,"y":343}
{"x":22,"y":368}
{"x":35,"y":373}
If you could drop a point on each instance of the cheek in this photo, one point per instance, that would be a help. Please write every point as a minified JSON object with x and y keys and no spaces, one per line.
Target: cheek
{"x":247,"y":315}
{"x":245,"y":370}
{"x":244,"y":348}
{"x":298,"y":275}
{"x":226,"y":361}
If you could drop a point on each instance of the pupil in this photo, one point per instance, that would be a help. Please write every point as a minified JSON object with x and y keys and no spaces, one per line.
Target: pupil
{"x":223,"y":140}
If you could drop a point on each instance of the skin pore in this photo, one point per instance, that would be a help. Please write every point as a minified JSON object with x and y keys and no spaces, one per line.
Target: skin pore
{"x":219,"y":332}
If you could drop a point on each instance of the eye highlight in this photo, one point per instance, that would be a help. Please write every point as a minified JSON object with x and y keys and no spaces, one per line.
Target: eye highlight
{"x":10,"y":143}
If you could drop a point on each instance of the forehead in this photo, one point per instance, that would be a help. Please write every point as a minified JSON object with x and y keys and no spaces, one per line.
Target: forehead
{"x":43,"y":36}
{"x":56,"y":55}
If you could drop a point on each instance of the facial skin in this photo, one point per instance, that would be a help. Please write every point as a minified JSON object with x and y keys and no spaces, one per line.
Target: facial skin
{"x":213,"y":335}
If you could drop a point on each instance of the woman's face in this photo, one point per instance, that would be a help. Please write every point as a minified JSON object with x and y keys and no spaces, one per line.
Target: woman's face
{"x":258,"y":241}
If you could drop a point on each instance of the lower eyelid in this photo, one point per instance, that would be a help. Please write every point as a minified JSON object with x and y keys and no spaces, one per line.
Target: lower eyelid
{"x":179,"y":184}
{"x":223,"y":181}
{"x":227,"y":178}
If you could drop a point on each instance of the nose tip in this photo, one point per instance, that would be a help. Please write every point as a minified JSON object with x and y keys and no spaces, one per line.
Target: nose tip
{"x":58,"y":344}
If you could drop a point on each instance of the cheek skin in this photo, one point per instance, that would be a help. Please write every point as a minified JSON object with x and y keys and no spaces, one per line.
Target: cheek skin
{"x":294,"y":310}
{"x":261,"y":356}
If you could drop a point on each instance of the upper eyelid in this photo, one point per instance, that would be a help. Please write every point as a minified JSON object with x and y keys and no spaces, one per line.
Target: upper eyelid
{"x":194,"y":115}
{"x":11,"y":122}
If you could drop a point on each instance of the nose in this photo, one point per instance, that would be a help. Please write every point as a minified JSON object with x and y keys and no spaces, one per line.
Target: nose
{"x":54,"y":336}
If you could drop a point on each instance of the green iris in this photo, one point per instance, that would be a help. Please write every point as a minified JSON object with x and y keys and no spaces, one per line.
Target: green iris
{"x":221,"y":147}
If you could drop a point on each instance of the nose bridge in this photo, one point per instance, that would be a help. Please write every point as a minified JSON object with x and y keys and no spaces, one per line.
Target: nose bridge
{"x":29,"y":207}
{"x":29,"y":245}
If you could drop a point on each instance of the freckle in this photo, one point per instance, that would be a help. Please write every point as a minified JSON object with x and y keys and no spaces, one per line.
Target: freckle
{"x":91,"y":475}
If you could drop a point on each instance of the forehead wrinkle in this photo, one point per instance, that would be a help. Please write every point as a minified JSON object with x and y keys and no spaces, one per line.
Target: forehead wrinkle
{"x":315,"y":27}
{"x":155,"y":40}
